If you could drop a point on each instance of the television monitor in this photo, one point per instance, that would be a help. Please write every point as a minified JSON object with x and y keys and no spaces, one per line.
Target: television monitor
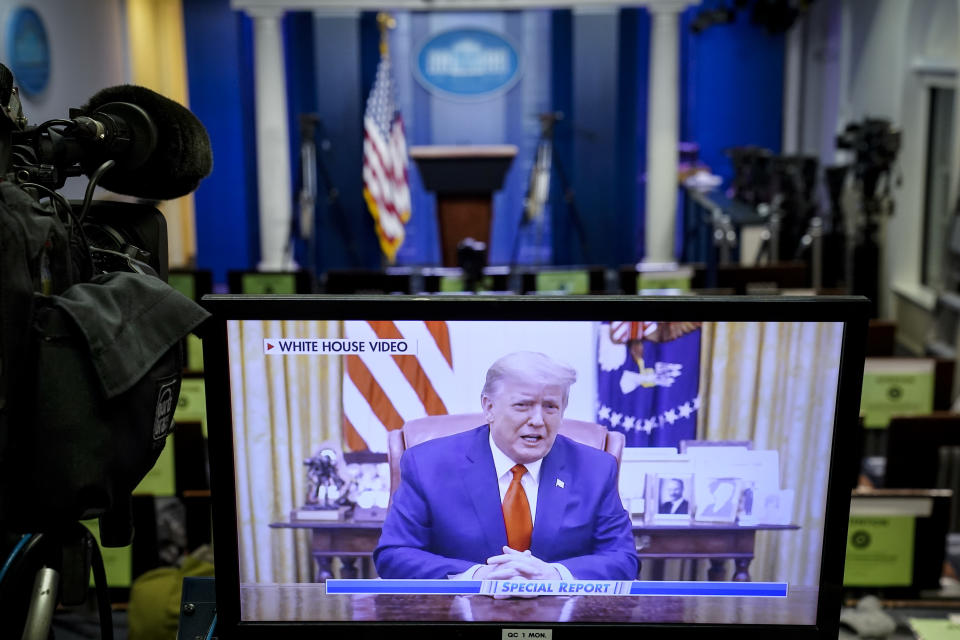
{"x":734,"y":540}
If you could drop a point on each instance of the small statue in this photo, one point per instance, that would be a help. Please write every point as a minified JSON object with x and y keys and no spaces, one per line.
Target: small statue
{"x":324,"y":484}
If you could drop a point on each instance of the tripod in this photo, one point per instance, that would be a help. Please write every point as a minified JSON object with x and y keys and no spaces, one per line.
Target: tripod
{"x":59,"y":564}
{"x":312,"y":165}
{"x":538,"y":188}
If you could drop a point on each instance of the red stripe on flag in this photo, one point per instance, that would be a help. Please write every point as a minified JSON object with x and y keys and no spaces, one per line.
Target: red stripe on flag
{"x":411,"y":369}
{"x":441,"y":335}
{"x":370,"y":389}
{"x":351,"y":438}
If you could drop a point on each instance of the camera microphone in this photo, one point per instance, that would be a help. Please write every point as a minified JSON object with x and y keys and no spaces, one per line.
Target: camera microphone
{"x":162,"y":151}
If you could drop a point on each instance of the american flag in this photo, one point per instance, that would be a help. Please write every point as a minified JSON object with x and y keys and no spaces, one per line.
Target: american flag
{"x":381,"y":391}
{"x":385,"y":186}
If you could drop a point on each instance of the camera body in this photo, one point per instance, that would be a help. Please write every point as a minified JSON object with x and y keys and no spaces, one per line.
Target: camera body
{"x":90,"y":333}
{"x":875,"y":144}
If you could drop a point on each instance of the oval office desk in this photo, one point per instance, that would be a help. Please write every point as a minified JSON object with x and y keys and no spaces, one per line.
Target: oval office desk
{"x":308,"y":602}
{"x":352,"y":541}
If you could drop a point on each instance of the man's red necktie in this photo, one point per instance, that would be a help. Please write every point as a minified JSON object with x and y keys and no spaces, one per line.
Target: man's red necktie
{"x":516,"y":512}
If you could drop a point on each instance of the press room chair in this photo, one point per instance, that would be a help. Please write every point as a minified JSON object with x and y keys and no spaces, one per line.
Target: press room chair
{"x":422,"y":429}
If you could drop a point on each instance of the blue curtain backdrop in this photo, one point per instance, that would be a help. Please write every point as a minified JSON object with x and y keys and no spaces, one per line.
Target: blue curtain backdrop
{"x":219,"y":67}
{"x":731,"y":88}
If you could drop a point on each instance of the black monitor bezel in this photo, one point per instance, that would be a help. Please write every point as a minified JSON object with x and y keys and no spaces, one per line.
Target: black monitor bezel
{"x":852,"y":311}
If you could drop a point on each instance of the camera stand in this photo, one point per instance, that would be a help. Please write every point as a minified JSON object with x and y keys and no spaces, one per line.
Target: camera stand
{"x":57,"y":567}
{"x":538,"y":190}
{"x":313,"y":165}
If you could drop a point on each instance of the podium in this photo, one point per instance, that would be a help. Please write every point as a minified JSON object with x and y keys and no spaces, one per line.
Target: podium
{"x":464,"y":179}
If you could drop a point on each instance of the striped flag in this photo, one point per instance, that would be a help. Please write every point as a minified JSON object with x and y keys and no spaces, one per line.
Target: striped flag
{"x":382,"y":391}
{"x":385,"y":186}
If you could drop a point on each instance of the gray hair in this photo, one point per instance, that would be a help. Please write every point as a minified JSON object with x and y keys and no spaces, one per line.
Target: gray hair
{"x":529,"y":365}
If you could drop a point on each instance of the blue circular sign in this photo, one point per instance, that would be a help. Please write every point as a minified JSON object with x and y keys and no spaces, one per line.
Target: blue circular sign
{"x":28,"y":51}
{"x":467,"y":63}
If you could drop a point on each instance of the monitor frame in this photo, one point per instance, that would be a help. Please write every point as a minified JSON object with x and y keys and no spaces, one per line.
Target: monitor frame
{"x":852,"y":311}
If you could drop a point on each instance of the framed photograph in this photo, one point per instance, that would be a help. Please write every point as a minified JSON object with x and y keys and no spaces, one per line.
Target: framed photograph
{"x":718,"y":499}
{"x":636,"y":468}
{"x":670,"y":498}
{"x":748,"y":508}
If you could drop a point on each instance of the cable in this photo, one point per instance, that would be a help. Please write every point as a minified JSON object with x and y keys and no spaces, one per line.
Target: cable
{"x":56,"y":122}
{"x":24,"y":539}
{"x":213,"y":625}
{"x":100,"y":581}
{"x":94,"y":179}
{"x":53,"y":195}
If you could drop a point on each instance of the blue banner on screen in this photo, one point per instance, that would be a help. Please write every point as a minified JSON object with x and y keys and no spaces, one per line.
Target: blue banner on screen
{"x":527,"y":588}
{"x":648,"y":381}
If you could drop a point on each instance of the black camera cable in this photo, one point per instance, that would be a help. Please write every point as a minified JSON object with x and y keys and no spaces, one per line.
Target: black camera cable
{"x":94,"y":179}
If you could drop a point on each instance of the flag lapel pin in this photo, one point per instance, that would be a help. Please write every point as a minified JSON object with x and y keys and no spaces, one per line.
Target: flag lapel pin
{"x":560,"y":483}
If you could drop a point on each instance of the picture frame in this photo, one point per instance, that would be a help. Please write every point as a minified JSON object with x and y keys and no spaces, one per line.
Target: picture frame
{"x":637,"y":464}
{"x":670,"y":498}
{"x":717,"y":498}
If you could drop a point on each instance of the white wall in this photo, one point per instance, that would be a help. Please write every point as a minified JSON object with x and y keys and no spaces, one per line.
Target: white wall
{"x":889,"y":53}
{"x":930,"y":58}
{"x":87,"y":53}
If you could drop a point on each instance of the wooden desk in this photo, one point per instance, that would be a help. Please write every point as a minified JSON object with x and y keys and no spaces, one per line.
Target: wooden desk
{"x":352,"y":541}
{"x":309,"y":602}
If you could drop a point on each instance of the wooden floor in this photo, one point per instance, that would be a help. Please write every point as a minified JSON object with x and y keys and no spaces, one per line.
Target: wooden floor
{"x":309,"y":602}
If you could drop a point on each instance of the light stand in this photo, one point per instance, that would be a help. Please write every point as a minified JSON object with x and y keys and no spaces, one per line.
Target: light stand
{"x":538,"y":188}
{"x":313,"y":165}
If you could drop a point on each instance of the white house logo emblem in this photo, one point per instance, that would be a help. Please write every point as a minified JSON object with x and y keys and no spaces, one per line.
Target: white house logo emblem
{"x":467,"y":63}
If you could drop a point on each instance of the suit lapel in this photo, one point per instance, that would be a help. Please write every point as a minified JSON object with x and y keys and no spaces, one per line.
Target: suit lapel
{"x":479,"y":481}
{"x":552,"y":498}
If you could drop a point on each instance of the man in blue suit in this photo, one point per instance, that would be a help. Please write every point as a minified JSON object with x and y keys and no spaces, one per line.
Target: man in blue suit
{"x":511,"y":498}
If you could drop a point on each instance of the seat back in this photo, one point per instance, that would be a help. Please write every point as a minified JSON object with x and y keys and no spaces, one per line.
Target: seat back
{"x":427,"y":428}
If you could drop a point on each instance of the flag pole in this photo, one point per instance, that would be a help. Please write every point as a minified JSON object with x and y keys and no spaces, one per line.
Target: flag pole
{"x":385,"y":22}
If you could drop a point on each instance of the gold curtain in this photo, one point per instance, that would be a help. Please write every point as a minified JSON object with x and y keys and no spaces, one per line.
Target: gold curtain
{"x":283,"y":409}
{"x":158,"y":61}
{"x":775,"y":384}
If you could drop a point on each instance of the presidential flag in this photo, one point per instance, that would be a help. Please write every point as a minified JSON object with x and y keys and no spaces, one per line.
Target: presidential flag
{"x":648,"y":378}
{"x":382,"y":391}
{"x":385,"y":186}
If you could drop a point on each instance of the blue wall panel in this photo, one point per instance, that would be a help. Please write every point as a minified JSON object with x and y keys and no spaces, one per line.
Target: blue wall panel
{"x":218,"y":43}
{"x":301,"y":100}
{"x":338,"y":59}
{"x":596,"y":41}
{"x":732,"y":89}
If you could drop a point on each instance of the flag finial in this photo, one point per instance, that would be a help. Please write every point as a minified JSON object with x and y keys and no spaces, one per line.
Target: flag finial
{"x":385,"y":22}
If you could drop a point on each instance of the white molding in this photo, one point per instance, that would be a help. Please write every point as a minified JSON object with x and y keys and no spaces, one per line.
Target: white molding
{"x":931,"y":66}
{"x":921,"y":296}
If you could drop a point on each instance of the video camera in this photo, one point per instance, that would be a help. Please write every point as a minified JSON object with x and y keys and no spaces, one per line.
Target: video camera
{"x":875,"y":144}
{"x":91,"y":335}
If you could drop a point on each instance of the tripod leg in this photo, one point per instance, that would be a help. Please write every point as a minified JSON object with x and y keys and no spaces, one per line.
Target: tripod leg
{"x":42,"y":605}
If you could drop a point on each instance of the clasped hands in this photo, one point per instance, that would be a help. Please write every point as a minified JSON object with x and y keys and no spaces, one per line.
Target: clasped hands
{"x":514,"y":564}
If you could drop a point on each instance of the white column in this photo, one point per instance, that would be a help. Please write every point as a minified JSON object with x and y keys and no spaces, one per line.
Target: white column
{"x":273,"y":140}
{"x":663,"y":113}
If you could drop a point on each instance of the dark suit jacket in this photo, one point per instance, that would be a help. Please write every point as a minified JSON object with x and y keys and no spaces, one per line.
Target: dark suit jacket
{"x":446,"y":514}
{"x":667,"y":507}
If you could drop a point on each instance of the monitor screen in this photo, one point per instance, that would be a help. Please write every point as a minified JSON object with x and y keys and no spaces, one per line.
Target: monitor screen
{"x":532,"y":464}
